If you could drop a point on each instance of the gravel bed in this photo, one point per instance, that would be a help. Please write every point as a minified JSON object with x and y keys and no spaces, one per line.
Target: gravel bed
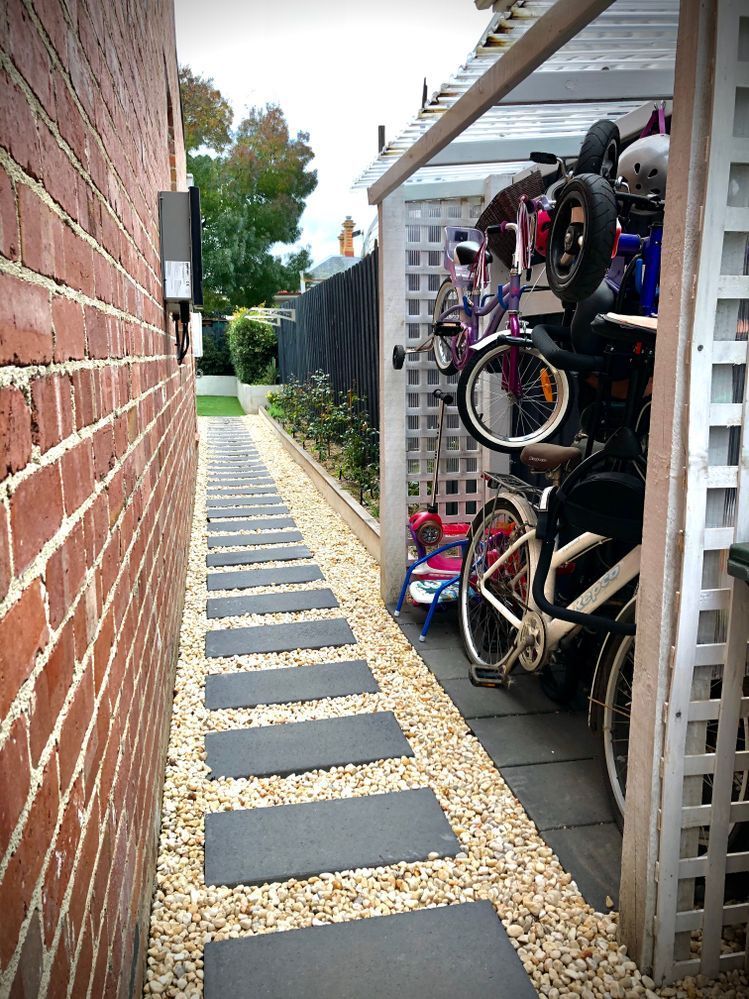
{"x":566,"y":947}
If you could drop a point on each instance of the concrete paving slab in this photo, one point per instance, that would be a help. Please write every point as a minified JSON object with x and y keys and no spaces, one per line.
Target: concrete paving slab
{"x":271,"y":603}
{"x":253,"y":556}
{"x":443,"y":953}
{"x":517,"y":740}
{"x":260,"y":845}
{"x":297,"y":747}
{"x":289,"y":685}
{"x":266,"y":496}
{"x":327,"y":634}
{"x":593,"y":856}
{"x":446,"y":664}
{"x":258,"y":538}
{"x":255,"y":524}
{"x":523,"y":697}
{"x":561,"y":794}
{"x":215,"y":515}
{"x":247,"y":578}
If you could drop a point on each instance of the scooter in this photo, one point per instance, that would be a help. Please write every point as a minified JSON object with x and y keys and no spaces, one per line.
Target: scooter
{"x":426,"y":527}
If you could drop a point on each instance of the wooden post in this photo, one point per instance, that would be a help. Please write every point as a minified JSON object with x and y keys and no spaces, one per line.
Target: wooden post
{"x":393,"y":501}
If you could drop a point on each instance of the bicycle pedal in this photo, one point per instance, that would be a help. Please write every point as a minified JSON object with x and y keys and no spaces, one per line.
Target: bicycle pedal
{"x":487,"y":678}
{"x":446,"y":329}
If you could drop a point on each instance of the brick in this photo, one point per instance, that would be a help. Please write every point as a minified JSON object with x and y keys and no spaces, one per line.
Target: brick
{"x":23,"y":633}
{"x":77,"y":467}
{"x":15,"y":431}
{"x":50,"y":691}
{"x":5,"y":571}
{"x":25,"y":321}
{"x":25,"y":864}
{"x":41,"y":233}
{"x":64,"y":574}
{"x":9,"y":241}
{"x":35,"y":514}
{"x":18,"y":127}
{"x":103,"y":441}
{"x":29,"y":55}
{"x":14,"y":777}
{"x":78,"y":268}
{"x":74,"y":726}
{"x":58,"y":872}
{"x":97,"y":333}
{"x":86,"y":407}
{"x":52,"y":414}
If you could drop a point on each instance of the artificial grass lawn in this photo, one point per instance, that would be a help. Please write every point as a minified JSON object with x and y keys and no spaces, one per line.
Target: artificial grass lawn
{"x":219,"y":405}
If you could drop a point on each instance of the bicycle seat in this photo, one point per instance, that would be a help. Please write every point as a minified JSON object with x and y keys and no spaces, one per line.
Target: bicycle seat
{"x":547,"y":457}
{"x":467,"y":252}
{"x":626,"y":329}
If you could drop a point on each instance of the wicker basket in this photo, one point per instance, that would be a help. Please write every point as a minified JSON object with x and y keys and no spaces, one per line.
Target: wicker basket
{"x":504,"y":208}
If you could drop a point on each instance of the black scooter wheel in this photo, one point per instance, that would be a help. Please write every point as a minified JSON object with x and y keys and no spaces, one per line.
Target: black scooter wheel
{"x":582,"y":237}
{"x":599,"y":152}
{"x":399,"y":356}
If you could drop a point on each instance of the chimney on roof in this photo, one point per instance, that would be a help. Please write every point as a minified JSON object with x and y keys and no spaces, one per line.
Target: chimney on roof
{"x":346,"y":238}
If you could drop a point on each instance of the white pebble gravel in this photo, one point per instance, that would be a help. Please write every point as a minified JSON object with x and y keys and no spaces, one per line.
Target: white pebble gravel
{"x":566,"y":947}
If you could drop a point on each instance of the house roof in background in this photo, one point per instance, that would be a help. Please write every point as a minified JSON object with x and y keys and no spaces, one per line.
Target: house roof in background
{"x":330,"y":266}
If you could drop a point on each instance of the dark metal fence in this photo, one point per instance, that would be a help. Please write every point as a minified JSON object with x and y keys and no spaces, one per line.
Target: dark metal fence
{"x":336,"y":331}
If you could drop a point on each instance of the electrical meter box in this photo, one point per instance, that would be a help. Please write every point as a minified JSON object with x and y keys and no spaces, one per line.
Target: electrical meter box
{"x":181,"y":257}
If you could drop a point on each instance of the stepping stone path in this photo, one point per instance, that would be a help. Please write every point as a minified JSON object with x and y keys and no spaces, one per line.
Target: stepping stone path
{"x":456,"y":950}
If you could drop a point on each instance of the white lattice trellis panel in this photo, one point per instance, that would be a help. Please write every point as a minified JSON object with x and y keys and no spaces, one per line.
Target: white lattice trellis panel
{"x":460,"y":465}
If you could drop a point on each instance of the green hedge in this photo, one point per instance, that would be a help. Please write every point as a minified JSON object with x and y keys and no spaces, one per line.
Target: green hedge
{"x":253,"y":348}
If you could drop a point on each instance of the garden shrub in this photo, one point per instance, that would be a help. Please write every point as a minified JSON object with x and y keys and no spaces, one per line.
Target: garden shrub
{"x":252,"y":345}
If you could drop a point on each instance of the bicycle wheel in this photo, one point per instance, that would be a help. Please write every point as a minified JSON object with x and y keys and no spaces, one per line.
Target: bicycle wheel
{"x":487,"y":635}
{"x":447,"y":298}
{"x":617,"y":664}
{"x":506,"y":420}
{"x":599,"y":152}
{"x":582,"y":237}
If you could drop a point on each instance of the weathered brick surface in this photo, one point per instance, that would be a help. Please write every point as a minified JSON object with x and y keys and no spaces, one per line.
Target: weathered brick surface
{"x":97,"y":465}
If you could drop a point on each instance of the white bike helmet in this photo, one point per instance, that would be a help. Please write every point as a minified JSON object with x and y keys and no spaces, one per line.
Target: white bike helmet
{"x":644,"y":165}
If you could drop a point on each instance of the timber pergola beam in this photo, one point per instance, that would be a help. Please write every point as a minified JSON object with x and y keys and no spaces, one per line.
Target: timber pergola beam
{"x":561,"y":23}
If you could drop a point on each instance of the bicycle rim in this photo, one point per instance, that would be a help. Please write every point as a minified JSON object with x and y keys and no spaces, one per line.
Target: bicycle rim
{"x":502,"y":420}
{"x":487,"y":635}
{"x":441,"y":345}
{"x":617,"y":712}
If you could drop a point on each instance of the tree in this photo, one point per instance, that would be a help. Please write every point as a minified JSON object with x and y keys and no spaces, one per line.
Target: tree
{"x":253,"y":185}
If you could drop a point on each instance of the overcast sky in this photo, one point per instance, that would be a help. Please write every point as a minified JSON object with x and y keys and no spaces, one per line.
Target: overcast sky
{"x":338,"y":68}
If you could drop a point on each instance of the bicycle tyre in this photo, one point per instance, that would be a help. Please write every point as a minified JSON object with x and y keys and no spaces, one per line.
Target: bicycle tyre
{"x":577,"y":258}
{"x":487,"y":636}
{"x":599,"y":152}
{"x":442,"y":346}
{"x":614,"y":691}
{"x":538,"y":419}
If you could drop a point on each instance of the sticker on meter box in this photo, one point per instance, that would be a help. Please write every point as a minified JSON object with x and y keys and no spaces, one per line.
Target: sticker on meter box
{"x":177,"y":283}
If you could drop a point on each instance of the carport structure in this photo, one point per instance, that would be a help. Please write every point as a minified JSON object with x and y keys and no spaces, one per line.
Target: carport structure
{"x":541,"y":75}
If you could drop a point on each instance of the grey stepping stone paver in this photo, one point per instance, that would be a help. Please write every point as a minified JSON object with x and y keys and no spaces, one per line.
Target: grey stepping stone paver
{"x":271,"y":603}
{"x":233,"y":483}
{"x":522,"y":697}
{"x":282,"y":575}
{"x":251,"y":525}
{"x":253,"y":556}
{"x":561,"y":794}
{"x":446,"y":664}
{"x":259,"y":845}
{"x":593,"y":856}
{"x":289,"y":685}
{"x":263,"y":638}
{"x":259,"y":498}
{"x":522,"y":739}
{"x":214,"y":515}
{"x":266,"y":538}
{"x":443,"y":953}
{"x":296,"y":747}
{"x":241,"y":493}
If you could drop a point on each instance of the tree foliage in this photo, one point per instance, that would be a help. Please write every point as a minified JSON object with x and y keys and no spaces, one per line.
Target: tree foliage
{"x":253,"y":186}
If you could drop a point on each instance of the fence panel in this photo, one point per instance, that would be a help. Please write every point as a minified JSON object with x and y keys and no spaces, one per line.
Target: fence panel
{"x":336,"y":330}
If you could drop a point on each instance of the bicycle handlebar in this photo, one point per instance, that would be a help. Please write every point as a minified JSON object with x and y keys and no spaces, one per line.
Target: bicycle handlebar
{"x":567,"y":360}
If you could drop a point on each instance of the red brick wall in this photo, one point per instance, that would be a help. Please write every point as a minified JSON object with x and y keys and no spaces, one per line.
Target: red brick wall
{"x":97,"y":463}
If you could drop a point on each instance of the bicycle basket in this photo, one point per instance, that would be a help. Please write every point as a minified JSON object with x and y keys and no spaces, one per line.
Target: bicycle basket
{"x":504,"y":208}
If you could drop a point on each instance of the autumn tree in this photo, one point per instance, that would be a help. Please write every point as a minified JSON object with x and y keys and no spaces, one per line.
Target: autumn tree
{"x":253,"y":182}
